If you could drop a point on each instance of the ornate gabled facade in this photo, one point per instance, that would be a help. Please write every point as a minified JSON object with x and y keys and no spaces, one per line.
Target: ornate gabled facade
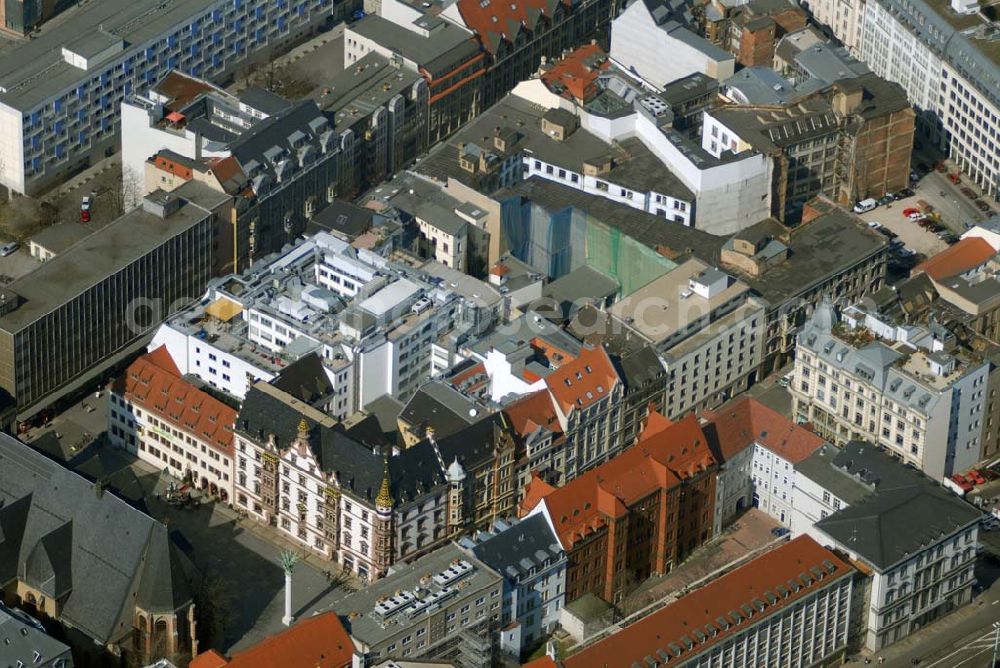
{"x":299,"y":471}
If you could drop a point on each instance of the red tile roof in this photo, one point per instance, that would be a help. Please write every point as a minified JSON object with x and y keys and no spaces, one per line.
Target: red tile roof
{"x":583,"y":381}
{"x":543,"y":662}
{"x":967,"y":254}
{"x":575,"y":75}
{"x":314,"y":642}
{"x":555,"y":355}
{"x":745,"y":421}
{"x":471,"y":380}
{"x":492,"y":20}
{"x":226,"y":169}
{"x":660,"y":460}
{"x":154,"y":383}
{"x":698,"y":613}
{"x":532,"y":411}
{"x":536,"y":490}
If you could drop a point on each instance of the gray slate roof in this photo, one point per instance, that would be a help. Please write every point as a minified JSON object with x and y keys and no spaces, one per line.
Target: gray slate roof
{"x":21,"y":637}
{"x":903,"y":512}
{"x":526,"y":544}
{"x":58,"y":533}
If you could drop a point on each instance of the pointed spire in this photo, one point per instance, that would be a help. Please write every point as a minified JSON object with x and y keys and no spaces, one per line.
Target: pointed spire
{"x":384,"y":498}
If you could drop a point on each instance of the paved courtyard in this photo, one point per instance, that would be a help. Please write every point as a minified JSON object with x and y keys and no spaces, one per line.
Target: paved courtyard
{"x":749,"y":535}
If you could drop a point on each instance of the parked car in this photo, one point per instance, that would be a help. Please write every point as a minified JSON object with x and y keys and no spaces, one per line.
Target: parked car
{"x":905,"y":252}
{"x":778,"y":532}
{"x":982,"y":206}
{"x":950,"y":239}
{"x":905,"y":192}
{"x":886,"y":199}
{"x":865,"y":205}
{"x":960,"y":480}
{"x":967,"y":191}
{"x":886,"y":232}
{"x":874,"y":224}
{"x":85,"y":205}
{"x":9,"y":248}
{"x":955,"y":178}
{"x":976,"y":477}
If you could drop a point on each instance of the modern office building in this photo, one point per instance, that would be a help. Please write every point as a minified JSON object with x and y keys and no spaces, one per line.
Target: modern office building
{"x":430,"y":608}
{"x":903,"y":387}
{"x":788,"y":607}
{"x":82,"y":311}
{"x":916,"y":540}
{"x":708,"y":327}
{"x":60,"y":92}
{"x":446,"y":55}
{"x":944,"y":56}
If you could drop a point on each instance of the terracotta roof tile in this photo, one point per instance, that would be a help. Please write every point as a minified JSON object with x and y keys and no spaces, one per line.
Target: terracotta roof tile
{"x":583,"y":381}
{"x":745,"y":421}
{"x":660,"y":460}
{"x":697,"y":615}
{"x":532,"y":411}
{"x":154,"y":383}
{"x":314,"y":642}
{"x":492,"y":20}
{"x":967,"y":254}
{"x":576,"y":74}
{"x":543,"y":662}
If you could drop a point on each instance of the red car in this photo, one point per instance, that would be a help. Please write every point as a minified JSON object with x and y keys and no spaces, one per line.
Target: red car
{"x":960,"y":480}
{"x":85,"y":205}
{"x":976,"y":477}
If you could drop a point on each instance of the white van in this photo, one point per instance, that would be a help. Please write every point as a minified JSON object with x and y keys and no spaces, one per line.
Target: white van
{"x":865,"y":205}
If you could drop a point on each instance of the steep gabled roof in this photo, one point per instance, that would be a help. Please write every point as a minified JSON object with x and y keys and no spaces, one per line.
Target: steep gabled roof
{"x":745,"y":421}
{"x":532,"y":412}
{"x":964,"y":256}
{"x":660,"y":460}
{"x":154,"y":383}
{"x":583,"y":381}
{"x":493,"y":20}
{"x":314,"y":642}
{"x":78,"y":541}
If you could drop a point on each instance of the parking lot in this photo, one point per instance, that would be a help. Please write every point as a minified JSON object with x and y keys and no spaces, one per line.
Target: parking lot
{"x":917,"y":238}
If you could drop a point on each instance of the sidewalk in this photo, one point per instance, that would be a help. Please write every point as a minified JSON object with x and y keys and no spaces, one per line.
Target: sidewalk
{"x":83,"y":178}
{"x":954,"y":631}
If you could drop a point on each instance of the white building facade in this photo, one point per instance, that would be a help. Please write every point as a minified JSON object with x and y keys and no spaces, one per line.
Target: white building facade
{"x":60,"y":94}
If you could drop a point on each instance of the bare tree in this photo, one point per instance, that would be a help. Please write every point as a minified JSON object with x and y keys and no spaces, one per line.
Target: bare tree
{"x":125,"y":192}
